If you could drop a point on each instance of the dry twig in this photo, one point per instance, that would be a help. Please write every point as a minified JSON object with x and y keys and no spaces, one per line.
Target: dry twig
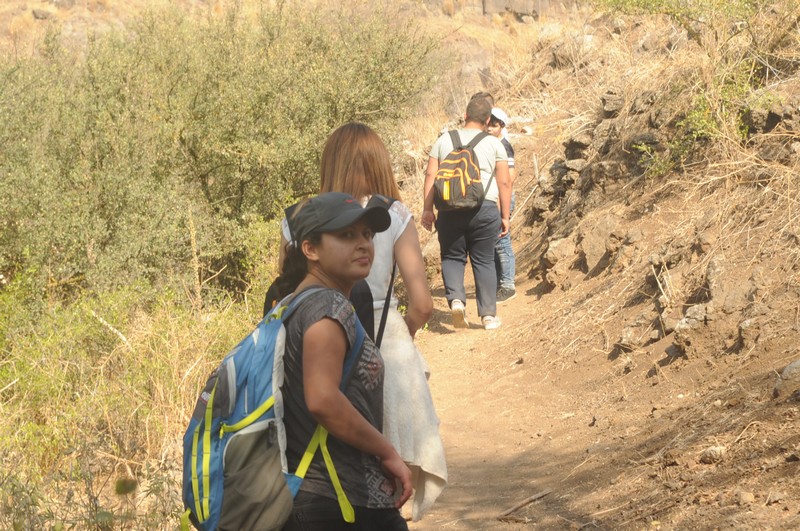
{"x":523,"y":503}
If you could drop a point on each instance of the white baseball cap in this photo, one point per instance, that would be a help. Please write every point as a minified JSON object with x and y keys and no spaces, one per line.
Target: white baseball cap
{"x":500,"y":114}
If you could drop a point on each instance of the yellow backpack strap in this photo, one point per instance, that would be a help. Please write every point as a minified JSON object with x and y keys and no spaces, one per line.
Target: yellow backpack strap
{"x":249,"y":419}
{"x":198,"y":509}
{"x":201,"y":508}
{"x":185,"y":520}
{"x":207,"y":454}
{"x":347,"y":510}
{"x":305,"y":462}
{"x":319,"y":439}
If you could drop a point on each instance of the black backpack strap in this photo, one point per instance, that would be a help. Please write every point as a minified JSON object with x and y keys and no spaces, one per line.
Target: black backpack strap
{"x":456,"y":140}
{"x":386,"y":304}
{"x":475,"y":141}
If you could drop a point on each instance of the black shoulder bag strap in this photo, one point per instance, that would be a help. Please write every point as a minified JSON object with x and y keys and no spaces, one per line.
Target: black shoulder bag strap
{"x":386,"y":202}
{"x":386,"y":304}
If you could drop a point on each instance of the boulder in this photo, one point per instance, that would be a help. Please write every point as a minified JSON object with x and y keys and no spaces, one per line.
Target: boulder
{"x":643,"y":102}
{"x":559,"y":251}
{"x":605,"y":135}
{"x":41,"y":14}
{"x":595,"y":242}
{"x":613,"y":101}
{"x":788,"y":382}
{"x":577,"y":146}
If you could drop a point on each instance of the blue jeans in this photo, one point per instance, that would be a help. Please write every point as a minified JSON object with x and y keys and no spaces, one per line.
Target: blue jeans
{"x":505,"y":263}
{"x":317,"y":513}
{"x":470,"y":233}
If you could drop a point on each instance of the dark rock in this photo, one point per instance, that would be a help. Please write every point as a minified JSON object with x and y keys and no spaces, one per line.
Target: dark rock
{"x":704,"y":242}
{"x":576,"y":164}
{"x":643,"y":102}
{"x":41,"y":14}
{"x":648,"y":140}
{"x":577,"y":146}
{"x":605,"y":135}
{"x":651,"y":43}
{"x":760,"y":120}
{"x":573,"y":53}
{"x":570,"y":178}
{"x":749,"y":331}
{"x":775,"y":152}
{"x":788,"y":382}
{"x":604,"y":172}
{"x":612,"y":103}
{"x":677,"y":40}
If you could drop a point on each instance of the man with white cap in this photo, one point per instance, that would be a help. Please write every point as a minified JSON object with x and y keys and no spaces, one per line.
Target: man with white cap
{"x":504,"y":259}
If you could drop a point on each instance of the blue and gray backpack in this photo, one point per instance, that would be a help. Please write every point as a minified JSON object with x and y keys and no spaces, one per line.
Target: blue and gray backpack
{"x":235,"y":474}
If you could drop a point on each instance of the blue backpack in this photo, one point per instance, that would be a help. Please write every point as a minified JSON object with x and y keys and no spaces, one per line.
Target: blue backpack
{"x":235,"y":474}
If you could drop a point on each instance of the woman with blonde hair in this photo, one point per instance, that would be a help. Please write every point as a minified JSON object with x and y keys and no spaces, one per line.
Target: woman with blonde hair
{"x":355,"y":161}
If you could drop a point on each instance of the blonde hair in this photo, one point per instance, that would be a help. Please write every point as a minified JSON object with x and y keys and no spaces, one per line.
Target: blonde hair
{"x":355,"y":161}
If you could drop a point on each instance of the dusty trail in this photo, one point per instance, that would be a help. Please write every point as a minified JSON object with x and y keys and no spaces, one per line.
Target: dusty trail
{"x":494,"y":402}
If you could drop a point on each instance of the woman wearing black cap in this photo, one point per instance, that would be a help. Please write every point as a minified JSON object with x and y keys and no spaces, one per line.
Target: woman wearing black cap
{"x":332,"y":248}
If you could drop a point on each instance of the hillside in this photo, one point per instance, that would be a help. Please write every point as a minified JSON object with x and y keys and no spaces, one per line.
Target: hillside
{"x":636,"y":380}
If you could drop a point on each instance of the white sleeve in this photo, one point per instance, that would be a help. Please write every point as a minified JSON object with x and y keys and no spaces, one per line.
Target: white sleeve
{"x":285,"y":230}
{"x":402,"y":215}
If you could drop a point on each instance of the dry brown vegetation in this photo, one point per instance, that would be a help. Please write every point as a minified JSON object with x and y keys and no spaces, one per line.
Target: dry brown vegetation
{"x":633,"y":384}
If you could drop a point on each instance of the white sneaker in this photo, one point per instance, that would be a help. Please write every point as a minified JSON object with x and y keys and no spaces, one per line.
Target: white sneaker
{"x":490,"y":322}
{"x":459,"y":314}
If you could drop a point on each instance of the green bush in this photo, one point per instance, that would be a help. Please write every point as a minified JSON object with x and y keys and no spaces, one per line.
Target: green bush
{"x":142,"y":180}
{"x":107,"y":153}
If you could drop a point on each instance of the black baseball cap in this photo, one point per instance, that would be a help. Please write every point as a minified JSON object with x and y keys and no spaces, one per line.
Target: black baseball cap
{"x":330,"y":212}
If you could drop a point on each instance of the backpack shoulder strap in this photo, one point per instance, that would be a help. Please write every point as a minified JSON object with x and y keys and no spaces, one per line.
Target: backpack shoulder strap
{"x":475,"y":141}
{"x":286,"y":307}
{"x":456,"y":139}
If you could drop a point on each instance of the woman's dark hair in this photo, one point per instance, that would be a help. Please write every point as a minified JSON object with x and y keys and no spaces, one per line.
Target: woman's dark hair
{"x":295,"y":266}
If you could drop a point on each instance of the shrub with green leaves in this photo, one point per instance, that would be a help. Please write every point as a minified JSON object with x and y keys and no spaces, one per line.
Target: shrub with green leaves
{"x":142,"y":180}
{"x":106,"y":153}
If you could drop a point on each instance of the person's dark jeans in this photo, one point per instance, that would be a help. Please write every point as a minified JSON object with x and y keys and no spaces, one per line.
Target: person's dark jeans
{"x":470,"y":233}
{"x":317,"y":513}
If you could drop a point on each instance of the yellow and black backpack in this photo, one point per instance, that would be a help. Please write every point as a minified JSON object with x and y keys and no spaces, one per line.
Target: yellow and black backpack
{"x":458,"y":183}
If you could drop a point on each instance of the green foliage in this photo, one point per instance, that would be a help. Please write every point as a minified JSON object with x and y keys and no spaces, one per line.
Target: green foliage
{"x":142,"y":180}
{"x":104,"y":158}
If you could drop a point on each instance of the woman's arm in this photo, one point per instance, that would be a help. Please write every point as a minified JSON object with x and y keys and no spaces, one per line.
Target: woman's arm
{"x":408,"y":254}
{"x":324,"y":350}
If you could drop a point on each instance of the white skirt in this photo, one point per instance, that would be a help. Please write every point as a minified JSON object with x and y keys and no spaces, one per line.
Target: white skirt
{"x":409,"y":417}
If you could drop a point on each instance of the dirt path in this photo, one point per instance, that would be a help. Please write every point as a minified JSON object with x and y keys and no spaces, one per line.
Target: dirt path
{"x":495,"y":406}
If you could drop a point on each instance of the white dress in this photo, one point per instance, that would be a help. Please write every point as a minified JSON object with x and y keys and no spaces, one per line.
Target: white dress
{"x":409,"y":417}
